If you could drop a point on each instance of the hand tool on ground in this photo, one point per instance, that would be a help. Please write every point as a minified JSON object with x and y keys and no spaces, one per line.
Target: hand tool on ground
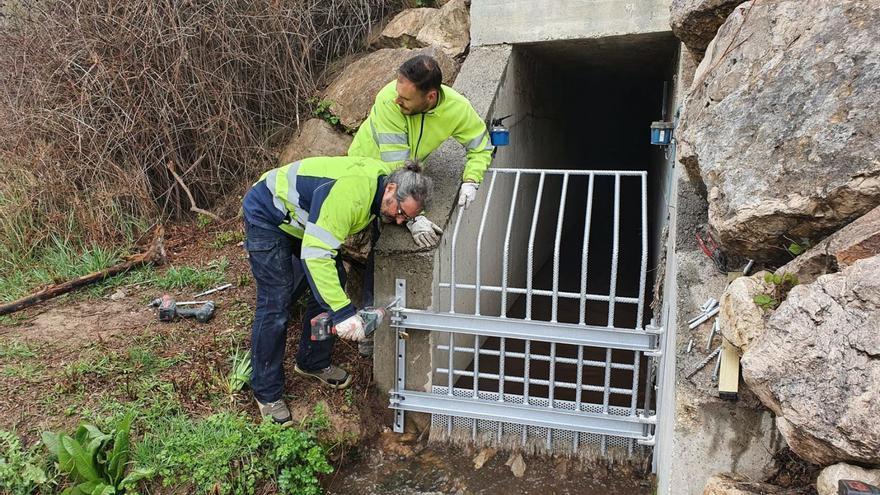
{"x":323,"y":329}
{"x":853,"y":487}
{"x":168,"y":310}
{"x":710,"y":247}
{"x":211,"y":291}
{"x":155,"y":303}
{"x":712,"y":334}
{"x":746,"y":269}
{"x":702,"y":318}
{"x":717,"y":366}
{"x":690,"y":346}
{"x":707,"y":306}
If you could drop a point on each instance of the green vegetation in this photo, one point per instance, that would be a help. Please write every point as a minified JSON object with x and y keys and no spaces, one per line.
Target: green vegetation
{"x":225,"y":238}
{"x":321,"y":109}
{"x":226,"y":453}
{"x":781,"y":285}
{"x":15,"y":350}
{"x":21,"y":471}
{"x":196,"y":278}
{"x":95,"y":462}
{"x":239,"y":375}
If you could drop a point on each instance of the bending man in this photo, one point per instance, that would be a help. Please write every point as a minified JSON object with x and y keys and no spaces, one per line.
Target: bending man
{"x":300,"y":214}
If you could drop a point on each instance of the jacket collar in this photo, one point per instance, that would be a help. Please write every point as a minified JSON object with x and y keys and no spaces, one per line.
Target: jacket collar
{"x":375,"y":209}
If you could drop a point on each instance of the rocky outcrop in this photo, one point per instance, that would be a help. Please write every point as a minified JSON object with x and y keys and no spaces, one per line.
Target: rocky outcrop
{"x":740,"y":320}
{"x":828,"y":478}
{"x":403,"y":30}
{"x":695,"y":22}
{"x":315,"y":138}
{"x":817,"y":366}
{"x":352,"y":93}
{"x":447,"y":28}
{"x":856,"y":241}
{"x":450,"y":29}
{"x":780,"y":126}
{"x":732,"y":484}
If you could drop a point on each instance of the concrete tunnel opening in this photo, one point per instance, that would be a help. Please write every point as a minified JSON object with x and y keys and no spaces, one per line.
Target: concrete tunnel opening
{"x":582,"y":105}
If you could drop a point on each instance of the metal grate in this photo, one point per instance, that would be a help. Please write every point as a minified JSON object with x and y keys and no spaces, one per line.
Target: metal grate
{"x":567,"y":382}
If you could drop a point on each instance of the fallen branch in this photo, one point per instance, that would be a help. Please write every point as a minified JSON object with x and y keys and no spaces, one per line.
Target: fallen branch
{"x":156,"y":254}
{"x":192,"y":200}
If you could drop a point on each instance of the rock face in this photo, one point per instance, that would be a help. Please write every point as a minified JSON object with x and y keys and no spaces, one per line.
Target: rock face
{"x":403,"y":30}
{"x":695,"y":22}
{"x":447,"y":28}
{"x":780,"y":126}
{"x":354,"y":91}
{"x":450,"y":29}
{"x":817,"y":366}
{"x":315,"y":138}
{"x":828,"y":478}
{"x":858,"y":240}
{"x":732,"y":484}
{"x":740,"y":320}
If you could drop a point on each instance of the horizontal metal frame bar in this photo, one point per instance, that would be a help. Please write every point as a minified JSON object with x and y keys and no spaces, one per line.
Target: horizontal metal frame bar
{"x":537,"y":381}
{"x":542,"y":292}
{"x":537,"y":357}
{"x":555,"y":171}
{"x":563,"y":333}
{"x":545,"y":417}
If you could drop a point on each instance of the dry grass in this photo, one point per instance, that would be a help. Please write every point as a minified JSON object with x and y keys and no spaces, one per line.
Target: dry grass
{"x":100,"y":98}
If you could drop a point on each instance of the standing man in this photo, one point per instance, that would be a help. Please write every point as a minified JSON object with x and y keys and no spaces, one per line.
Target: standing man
{"x":412,"y":117}
{"x":300,"y":214}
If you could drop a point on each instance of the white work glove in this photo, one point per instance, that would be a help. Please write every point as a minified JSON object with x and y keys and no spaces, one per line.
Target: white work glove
{"x":425,"y":233}
{"x":467,"y":194}
{"x":351,"y":328}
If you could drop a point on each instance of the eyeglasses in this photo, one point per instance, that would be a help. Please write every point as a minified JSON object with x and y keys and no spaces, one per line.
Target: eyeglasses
{"x":403,"y":214}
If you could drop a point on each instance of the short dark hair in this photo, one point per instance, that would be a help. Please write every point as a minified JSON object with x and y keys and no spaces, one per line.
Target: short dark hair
{"x":423,"y":71}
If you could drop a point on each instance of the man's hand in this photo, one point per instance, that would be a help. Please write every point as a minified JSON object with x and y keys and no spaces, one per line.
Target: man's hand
{"x":351,"y":329}
{"x":425,"y":233}
{"x":467,"y":194}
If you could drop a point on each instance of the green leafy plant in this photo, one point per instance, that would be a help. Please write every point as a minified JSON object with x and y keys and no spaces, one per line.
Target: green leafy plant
{"x":239,"y":375}
{"x":20,"y":471}
{"x":795,"y":249}
{"x":202,"y":221}
{"x":95,"y":461}
{"x":178,"y":277}
{"x":321,"y":109}
{"x":781,"y":285}
{"x":222,"y":239}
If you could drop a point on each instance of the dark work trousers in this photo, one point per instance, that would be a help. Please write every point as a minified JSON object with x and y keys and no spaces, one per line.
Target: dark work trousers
{"x":280,"y":279}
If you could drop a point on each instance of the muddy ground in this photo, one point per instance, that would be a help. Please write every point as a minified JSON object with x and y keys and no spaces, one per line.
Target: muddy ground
{"x":69,"y":357}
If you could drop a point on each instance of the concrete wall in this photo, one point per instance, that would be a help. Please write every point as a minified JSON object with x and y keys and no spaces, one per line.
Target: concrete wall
{"x":529,"y":21}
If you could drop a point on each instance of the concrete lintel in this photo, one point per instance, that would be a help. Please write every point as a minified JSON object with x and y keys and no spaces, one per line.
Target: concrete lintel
{"x":529,"y":21}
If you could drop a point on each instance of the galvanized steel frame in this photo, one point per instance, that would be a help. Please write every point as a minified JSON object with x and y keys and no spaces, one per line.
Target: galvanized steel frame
{"x":636,"y":424}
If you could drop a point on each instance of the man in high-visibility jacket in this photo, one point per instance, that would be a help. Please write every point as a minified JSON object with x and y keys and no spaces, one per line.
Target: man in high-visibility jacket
{"x":300,"y":214}
{"x":412,"y":117}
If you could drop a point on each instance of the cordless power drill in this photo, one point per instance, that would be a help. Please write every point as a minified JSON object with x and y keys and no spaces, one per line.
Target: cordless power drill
{"x":322,"y":328}
{"x":168,"y":310}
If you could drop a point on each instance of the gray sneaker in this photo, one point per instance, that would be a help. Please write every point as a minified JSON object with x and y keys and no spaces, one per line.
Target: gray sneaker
{"x":277,"y":410}
{"x":332,"y":376}
{"x":365,"y":347}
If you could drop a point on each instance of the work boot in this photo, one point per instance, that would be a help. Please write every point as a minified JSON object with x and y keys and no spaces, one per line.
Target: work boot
{"x":365,"y":347}
{"x":332,"y":376}
{"x":277,"y":410}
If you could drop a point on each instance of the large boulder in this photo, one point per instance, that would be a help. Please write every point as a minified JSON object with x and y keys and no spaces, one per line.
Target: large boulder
{"x":403,"y":30}
{"x":733,"y":484}
{"x":817,"y":366}
{"x":780,"y":125}
{"x":828,"y":478}
{"x":315,"y":138}
{"x":447,"y":28}
{"x":450,"y":29}
{"x":695,"y":22}
{"x":740,"y":320}
{"x":353,"y":92}
{"x":856,"y":241}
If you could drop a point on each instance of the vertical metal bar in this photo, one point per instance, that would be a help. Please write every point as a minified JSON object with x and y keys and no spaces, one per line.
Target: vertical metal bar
{"x":588,"y":220}
{"x":480,"y":243}
{"x":531,"y":254}
{"x":476,"y":365}
{"x":644,"y":267}
{"x":552,"y":379}
{"x":612,"y":291}
{"x":507,"y":247}
{"x":579,"y":383}
{"x":559,"y":222}
{"x":452,"y":261}
{"x":501,"y":358}
{"x":607,"y":392}
{"x":400,"y":346}
{"x":635,"y":391}
{"x":451,"y":353}
{"x":527,"y":364}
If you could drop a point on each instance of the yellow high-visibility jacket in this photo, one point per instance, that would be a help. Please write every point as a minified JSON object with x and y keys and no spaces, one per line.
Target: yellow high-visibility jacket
{"x":392,"y":137}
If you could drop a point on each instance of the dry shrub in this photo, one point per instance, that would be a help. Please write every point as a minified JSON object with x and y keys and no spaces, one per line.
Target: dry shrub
{"x":100,"y":97}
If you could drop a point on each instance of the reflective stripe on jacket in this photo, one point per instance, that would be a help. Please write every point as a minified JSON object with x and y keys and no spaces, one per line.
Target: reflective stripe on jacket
{"x":322,"y":201}
{"x":393,"y":137}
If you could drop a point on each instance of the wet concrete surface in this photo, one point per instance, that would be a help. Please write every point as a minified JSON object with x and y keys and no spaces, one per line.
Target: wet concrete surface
{"x":401,"y":464}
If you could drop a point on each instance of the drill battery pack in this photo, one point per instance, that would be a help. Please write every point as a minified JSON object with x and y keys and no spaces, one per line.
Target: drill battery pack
{"x":853,"y":487}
